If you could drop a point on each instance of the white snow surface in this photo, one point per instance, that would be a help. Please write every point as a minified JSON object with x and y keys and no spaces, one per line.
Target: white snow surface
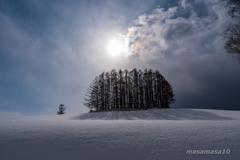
{"x":121,"y":135}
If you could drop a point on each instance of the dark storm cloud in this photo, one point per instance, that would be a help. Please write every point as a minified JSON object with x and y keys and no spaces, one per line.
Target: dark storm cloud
{"x":179,"y":31}
{"x":184,"y":42}
{"x":174,"y":31}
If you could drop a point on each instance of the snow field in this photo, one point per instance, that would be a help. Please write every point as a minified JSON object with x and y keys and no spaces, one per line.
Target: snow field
{"x":139,"y":135}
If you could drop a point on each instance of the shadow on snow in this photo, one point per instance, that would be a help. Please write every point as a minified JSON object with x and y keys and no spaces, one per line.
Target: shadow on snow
{"x":153,"y":114}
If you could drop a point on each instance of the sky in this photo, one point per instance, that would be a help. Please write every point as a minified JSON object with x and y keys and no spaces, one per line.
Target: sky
{"x":50,"y":51}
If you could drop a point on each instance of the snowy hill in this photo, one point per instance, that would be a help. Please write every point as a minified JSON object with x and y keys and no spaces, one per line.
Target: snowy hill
{"x":139,"y":135}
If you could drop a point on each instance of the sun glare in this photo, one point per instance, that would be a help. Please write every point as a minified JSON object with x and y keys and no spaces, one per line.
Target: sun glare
{"x":115,"y":47}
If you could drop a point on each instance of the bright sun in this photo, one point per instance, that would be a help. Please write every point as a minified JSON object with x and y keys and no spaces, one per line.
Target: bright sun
{"x":115,"y":47}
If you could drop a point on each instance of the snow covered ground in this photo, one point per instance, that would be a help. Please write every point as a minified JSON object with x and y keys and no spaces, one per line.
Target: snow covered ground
{"x":139,"y":135}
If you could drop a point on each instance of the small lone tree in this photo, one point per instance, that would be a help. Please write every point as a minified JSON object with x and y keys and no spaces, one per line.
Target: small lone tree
{"x":61,"y":109}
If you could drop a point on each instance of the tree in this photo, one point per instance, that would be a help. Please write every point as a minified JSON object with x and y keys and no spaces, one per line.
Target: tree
{"x":101,"y":82}
{"x":141,"y":90}
{"x":93,"y":96}
{"x":107,"y":91}
{"x":61,"y":109}
{"x":231,"y":34}
{"x":232,"y":7}
{"x":120,"y":82}
{"x":126,"y":87}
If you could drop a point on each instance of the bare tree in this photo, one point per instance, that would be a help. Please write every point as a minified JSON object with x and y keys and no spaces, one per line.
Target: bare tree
{"x":231,"y":34}
{"x":61,"y":109}
{"x":232,"y":7}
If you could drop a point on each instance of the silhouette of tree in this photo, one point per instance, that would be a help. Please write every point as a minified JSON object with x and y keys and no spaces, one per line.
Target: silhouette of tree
{"x":92,"y":100}
{"x":231,"y":34}
{"x":61,"y":109}
{"x":126,"y":88}
{"x":101,"y":82}
{"x":107,"y":91}
{"x":141,"y":90}
{"x":232,"y":7}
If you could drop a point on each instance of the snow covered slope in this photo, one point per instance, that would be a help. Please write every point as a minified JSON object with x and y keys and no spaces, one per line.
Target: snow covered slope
{"x":140,"y":135}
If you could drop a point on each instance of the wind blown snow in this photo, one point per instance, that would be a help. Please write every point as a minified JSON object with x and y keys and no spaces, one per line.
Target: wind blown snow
{"x":141,"y":135}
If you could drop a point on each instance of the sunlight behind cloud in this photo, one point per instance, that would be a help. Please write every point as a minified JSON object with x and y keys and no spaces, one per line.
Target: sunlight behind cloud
{"x":115,"y":47}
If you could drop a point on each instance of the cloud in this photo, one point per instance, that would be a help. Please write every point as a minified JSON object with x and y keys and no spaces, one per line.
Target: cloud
{"x":181,"y":30}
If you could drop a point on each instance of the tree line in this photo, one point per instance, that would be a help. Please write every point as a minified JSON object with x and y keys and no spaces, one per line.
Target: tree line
{"x":129,"y":90}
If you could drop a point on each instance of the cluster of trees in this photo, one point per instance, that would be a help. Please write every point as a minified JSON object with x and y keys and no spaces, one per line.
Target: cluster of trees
{"x":129,"y":90}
